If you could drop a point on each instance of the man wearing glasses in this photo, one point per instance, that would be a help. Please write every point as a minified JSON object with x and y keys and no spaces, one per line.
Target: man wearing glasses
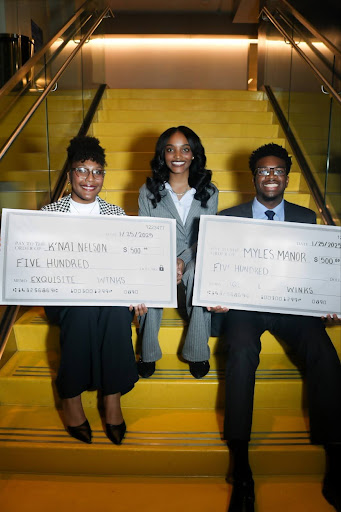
{"x":306,"y":337}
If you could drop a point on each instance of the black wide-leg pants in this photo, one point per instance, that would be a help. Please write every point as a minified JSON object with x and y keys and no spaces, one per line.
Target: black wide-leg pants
{"x":96,"y":349}
{"x":309,"y":342}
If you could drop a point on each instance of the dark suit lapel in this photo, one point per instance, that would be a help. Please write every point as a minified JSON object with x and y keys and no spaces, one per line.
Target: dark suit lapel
{"x":245,"y":210}
{"x":289,"y":214}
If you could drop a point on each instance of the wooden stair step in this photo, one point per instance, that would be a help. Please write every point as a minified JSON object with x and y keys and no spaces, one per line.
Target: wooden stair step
{"x":147,"y":143}
{"x":28,"y":378}
{"x":32,"y":332}
{"x":148,"y":94}
{"x":153,"y":129}
{"x":141,"y":160}
{"x":128,"y":199}
{"x":185,"y":104}
{"x":186,"y":117}
{"x":32,"y":161}
{"x":224,"y":180}
{"x":151,"y":494}
{"x":158,"y":442}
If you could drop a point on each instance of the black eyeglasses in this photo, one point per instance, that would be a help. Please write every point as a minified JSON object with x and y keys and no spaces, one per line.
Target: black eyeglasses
{"x":265,"y":171}
{"x":83,"y":172}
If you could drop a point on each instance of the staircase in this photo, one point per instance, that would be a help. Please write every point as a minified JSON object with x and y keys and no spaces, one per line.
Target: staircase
{"x":231,"y":124}
{"x":26,"y":173}
{"x":173,"y":455}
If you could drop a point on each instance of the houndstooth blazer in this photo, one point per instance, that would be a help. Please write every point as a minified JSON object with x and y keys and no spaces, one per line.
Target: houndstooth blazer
{"x":63,"y":205}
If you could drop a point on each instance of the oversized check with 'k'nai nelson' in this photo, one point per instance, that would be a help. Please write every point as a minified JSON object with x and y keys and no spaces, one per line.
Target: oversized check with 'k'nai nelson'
{"x":50,"y":258}
{"x":278,"y":267}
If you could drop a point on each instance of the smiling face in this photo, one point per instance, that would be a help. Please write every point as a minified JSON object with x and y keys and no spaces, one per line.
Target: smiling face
{"x":85,"y":189}
{"x":270,"y":189}
{"x":178,"y":154}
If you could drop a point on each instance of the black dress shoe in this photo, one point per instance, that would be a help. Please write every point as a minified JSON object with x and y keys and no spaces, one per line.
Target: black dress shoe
{"x":82,"y":432}
{"x":199,"y":368}
{"x":144,"y":369}
{"x":243,"y":496}
{"x":331,"y":491}
{"x":116,"y":432}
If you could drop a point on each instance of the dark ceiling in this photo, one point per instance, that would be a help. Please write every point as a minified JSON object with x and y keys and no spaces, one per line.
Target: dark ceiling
{"x":203,"y":17}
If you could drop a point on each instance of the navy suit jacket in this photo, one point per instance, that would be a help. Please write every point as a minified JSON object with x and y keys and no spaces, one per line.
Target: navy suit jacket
{"x":292,"y":213}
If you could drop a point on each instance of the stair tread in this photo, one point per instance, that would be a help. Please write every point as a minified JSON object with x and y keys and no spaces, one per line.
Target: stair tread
{"x":42,"y":364}
{"x":35,"y":318}
{"x":186,"y":116}
{"x":174,"y":428}
{"x":192,"y":93}
{"x":27,"y":377}
{"x":158,"y":442}
{"x":161,"y":427}
{"x":185,"y":104}
{"x":147,"y":494}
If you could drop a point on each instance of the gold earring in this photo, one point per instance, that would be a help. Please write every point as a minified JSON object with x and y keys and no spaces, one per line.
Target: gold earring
{"x":68,"y":188}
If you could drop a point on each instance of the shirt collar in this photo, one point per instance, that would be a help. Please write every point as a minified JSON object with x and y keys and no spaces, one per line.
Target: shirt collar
{"x":192,"y":191}
{"x":258,"y":210}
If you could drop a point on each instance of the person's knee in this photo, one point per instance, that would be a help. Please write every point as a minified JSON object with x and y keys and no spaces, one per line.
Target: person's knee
{"x":118,"y":314}
{"x":321,"y":352}
{"x":83,"y":314}
{"x":243,"y":351}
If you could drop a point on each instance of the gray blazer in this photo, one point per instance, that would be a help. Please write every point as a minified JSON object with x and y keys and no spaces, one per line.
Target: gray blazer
{"x":186,"y":235}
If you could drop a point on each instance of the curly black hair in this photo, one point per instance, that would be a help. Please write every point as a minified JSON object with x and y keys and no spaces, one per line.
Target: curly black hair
{"x":269,"y":150}
{"x":199,"y":177}
{"x":85,"y":148}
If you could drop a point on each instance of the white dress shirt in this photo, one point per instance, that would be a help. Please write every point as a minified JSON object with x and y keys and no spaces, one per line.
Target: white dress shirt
{"x":183,"y":204}
{"x":258,"y":210}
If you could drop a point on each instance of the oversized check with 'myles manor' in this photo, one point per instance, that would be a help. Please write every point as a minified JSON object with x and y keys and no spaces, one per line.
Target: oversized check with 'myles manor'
{"x":53,"y":258}
{"x":278,"y":267}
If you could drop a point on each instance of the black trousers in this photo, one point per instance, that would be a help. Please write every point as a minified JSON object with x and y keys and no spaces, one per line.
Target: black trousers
{"x":308,"y":340}
{"x":96,"y":349}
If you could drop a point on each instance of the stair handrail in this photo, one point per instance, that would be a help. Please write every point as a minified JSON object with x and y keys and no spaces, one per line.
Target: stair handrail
{"x":55,"y":54}
{"x":25,"y":68}
{"x":318,"y":54}
{"x":6,"y":325}
{"x":41,"y":98}
{"x":318,"y":74}
{"x":301,"y":160}
{"x":311,"y":28}
{"x":11,"y":312}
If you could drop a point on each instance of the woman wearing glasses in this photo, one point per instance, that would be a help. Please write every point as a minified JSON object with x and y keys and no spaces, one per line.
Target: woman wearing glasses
{"x":96,"y":346}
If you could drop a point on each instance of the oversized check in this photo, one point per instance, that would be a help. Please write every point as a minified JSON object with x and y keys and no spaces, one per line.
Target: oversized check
{"x":50,"y":258}
{"x":258,"y":265}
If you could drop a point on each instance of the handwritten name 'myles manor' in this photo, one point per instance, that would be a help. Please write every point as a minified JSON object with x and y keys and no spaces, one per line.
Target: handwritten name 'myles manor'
{"x":77,"y":247}
{"x":279,"y":255}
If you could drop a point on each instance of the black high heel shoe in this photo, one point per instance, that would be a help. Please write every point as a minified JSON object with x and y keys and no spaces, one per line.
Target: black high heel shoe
{"x":116,"y":432}
{"x":81,"y":432}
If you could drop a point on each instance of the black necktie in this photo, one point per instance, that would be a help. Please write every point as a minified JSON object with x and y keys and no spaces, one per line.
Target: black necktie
{"x":270,"y":214}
